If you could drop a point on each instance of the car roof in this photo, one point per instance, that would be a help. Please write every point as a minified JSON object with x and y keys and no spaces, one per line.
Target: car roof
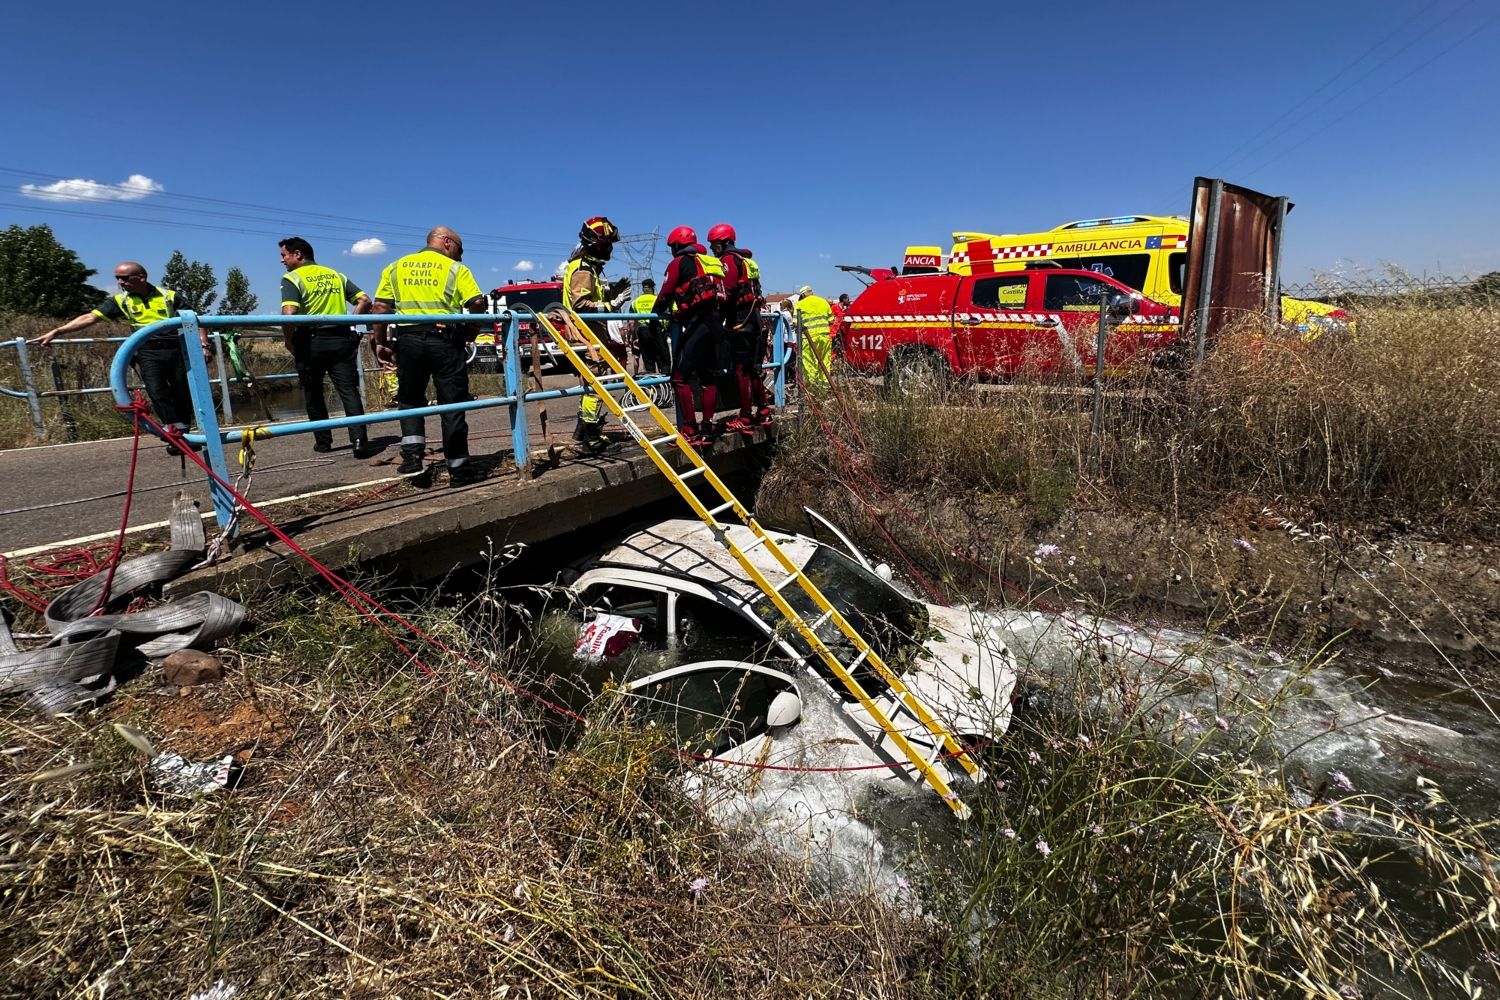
{"x":687,"y":549}
{"x":527,"y":286}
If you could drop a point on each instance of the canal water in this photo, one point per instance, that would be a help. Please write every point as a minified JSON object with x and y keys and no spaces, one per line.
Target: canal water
{"x":1363,"y":727}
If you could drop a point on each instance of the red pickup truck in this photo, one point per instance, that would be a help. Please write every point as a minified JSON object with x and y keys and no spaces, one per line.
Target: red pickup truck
{"x":993,"y":326}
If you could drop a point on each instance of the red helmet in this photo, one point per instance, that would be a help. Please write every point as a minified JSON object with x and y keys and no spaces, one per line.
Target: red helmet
{"x":598,"y":231}
{"x":722,"y":233}
{"x":682,"y":236}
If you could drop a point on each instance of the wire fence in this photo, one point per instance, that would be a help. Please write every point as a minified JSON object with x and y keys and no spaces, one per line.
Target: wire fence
{"x":1398,"y":288}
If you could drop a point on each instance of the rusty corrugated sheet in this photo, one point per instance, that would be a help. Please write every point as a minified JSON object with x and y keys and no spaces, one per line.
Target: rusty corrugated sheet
{"x":1234,"y":254}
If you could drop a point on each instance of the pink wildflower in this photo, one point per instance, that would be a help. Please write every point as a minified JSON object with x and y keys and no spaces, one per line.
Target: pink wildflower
{"x":1243,"y":544}
{"x":1043,"y":847}
{"x":698,"y":887}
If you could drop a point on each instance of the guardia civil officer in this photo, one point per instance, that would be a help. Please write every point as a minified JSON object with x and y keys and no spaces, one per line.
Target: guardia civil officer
{"x":159,"y":360}
{"x":430,"y":281}
{"x":311,"y":289}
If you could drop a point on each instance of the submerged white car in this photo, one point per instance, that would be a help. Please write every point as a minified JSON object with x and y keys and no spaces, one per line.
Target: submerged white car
{"x":671,"y":614}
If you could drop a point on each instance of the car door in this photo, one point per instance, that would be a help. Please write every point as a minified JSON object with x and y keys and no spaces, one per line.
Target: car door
{"x":991,"y":325}
{"x":1071,"y":303}
{"x":709,"y":708}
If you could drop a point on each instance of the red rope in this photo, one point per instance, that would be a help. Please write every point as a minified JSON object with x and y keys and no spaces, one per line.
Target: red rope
{"x":136,"y":409}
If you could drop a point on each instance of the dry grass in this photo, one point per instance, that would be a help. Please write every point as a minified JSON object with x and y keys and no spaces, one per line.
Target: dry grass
{"x":1402,"y":423}
{"x":393,"y":836}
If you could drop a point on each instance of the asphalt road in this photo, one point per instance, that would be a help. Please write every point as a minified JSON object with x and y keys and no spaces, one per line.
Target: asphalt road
{"x":56,"y":493}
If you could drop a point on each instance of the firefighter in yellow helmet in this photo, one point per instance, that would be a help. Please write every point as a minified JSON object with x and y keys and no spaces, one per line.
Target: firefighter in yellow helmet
{"x":586,"y":292}
{"x":815,"y":333}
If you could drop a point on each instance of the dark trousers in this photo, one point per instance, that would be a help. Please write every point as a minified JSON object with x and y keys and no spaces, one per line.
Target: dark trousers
{"x":334,"y":355}
{"x":700,"y":354}
{"x":437,"y":356}
{"x":160,"y":363}
{"x":748,"y":343}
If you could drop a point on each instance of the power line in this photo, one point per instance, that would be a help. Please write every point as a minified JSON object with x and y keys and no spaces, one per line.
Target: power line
{"x":1251,"y":146}
{"x":270,"y":214}
{"x":1228,"y":157}
{"x":1400,"y":51}
{"x":1394,"y":83}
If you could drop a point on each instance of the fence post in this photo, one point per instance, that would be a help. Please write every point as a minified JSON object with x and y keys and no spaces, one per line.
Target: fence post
{"x":70,"y":426}
{"x":778,"y":355}
{"x":359,"y":371}
{"x":223,"y":376}
{"x":1098,"y":421}
{"x":520,"y":434}
{"x":202,"y":392}
{"x":31,"y":397}
{"x":1210,"y":251}
{"x":1273,"y":292}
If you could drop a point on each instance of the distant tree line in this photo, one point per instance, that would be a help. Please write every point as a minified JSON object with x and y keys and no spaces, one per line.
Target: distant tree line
{"x":41,"y":277}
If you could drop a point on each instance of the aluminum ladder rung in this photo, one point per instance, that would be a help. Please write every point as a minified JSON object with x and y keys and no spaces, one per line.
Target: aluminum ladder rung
{"x":696,"y":470}
{"x":638,"y":407}
{"x":658,"y":442}
{"x":716,"y":511}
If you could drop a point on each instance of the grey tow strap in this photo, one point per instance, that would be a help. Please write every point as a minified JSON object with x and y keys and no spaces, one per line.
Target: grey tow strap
{"x":78,"y":663}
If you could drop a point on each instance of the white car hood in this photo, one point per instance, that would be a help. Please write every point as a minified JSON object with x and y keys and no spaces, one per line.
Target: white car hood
{"x":966,"y":680}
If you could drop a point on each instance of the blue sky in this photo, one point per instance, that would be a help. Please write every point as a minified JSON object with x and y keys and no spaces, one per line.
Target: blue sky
{"x":825,"y":133}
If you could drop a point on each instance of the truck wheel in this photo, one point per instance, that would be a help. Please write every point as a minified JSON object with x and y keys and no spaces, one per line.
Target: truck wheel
{"x":910,"y":371}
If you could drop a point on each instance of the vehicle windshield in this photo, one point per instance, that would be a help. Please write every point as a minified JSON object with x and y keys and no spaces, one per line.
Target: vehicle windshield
{"x":890,"y":623}
{"x":537,"y":298}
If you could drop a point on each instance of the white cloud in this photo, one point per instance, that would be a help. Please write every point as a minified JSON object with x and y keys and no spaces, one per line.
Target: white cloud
{"x":368,"y":247}
{"x":525,"y":265}
{"x":133,"y":188}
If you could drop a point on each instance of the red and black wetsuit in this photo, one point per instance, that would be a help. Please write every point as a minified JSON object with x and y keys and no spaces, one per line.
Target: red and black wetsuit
{"x":743,"y":303}
{"x":694,"y":300}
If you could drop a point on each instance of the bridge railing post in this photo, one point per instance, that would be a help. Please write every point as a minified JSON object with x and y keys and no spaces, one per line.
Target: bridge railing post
{"x":202,"y":392}
{"x":32,"y":399}
{"x":520,"y":434}
{"x":778,"y":355}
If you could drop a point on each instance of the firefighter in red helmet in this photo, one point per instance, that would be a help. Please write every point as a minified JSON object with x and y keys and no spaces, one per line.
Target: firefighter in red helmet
{"x":692,"y":294}
{"x":586,"y":292}
{"x":746,"y":335}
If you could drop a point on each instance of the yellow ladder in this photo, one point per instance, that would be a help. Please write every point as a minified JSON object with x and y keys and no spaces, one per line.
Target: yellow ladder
{"x":901,"y":694}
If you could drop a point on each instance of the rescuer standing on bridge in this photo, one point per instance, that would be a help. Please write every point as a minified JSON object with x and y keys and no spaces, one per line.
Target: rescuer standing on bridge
{"x":430,"y":281}
{"x":815,"y":326}
{"x":158,"y":361}
{"x":693,"y":296}
{"x":747,"y":336}
{"x":583,"y":284}
{"x":311,"y":289}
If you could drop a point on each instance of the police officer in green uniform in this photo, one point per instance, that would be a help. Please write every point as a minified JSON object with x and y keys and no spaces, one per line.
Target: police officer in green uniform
{"x":159,"y":360}
{"x":311,"y":289}
{"x":430,"y":281}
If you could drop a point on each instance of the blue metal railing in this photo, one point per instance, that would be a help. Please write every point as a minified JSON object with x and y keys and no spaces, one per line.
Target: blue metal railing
{"x":514,"y":399}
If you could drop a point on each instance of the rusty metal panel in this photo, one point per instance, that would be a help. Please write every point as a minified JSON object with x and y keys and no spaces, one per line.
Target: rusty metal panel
{"x":1234,"y":258}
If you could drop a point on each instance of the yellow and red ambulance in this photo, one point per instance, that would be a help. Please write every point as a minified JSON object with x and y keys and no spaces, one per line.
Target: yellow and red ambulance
{"x":1145,"y":252}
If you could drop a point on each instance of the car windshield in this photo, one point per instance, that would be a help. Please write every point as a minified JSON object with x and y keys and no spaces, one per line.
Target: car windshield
{"x":889,"y":622}
{"x":537,"y":298}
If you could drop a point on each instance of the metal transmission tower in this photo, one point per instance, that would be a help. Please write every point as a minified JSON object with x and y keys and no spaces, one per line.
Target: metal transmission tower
{"x":640,"y":251}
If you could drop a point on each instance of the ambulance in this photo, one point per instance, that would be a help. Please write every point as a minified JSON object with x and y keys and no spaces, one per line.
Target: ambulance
{"x":1145,"y":252}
